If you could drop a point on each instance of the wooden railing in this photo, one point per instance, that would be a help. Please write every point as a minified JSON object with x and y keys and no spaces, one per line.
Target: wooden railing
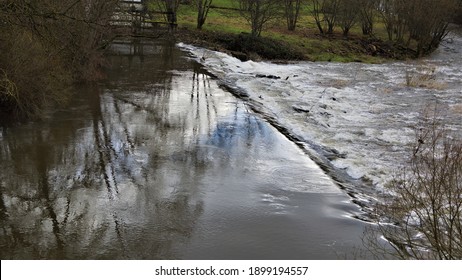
{"x":135,"y":17}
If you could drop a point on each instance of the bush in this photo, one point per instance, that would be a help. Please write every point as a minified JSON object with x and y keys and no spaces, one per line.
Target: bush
{"x":421,"y":22}
{"x":46,"y":45}
{"x":258,"y":13}
{"x":263,"y":47}
{"x":424,"y":76}
{"x":421,"y":213}
{"x":30,"y":77}
{"x":325,"y":14}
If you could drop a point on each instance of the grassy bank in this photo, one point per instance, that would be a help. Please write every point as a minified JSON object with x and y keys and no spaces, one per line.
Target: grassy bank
{"x":226,"y":30}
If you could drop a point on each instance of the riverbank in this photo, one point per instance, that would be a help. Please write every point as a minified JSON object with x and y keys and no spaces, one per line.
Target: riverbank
{"x":226,"y":30}
{"x":333,"y":48}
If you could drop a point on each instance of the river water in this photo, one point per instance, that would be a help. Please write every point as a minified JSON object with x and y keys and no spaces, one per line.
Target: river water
{"x":161,"y":162}
{"x":359,"y":120}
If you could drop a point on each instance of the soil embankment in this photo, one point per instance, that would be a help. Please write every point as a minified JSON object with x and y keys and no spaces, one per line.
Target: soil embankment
{"x":245,"y":47}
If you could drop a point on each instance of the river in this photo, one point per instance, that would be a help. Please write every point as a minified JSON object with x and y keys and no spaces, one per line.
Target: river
{"x":161,"y":162}
{"x":358,"y":120}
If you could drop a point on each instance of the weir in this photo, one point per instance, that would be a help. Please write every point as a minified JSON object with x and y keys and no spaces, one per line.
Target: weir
{"x":159,"y":162}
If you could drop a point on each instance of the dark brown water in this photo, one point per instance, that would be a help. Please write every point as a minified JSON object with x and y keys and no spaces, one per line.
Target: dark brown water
{"x":160,"y":163}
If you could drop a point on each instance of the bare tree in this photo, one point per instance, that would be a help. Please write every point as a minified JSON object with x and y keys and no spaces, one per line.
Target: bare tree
{"x":330,"y":14}
{"x":48,"y":44}
{"x":169,"y":8}
{"x":325,"y":14}
{"x":421,"y":214}
{"x":317,"y":14}
{"x":348,"y":12}
{"x":428,"y":22}
{"x":292,"y":12}
{"x":258,"y":13}
{"x":392,"y":13}
{"x":367,"y":13}
{"x":203,"y":7}
{"x":76,"y":29}
{"x":424,"y":22}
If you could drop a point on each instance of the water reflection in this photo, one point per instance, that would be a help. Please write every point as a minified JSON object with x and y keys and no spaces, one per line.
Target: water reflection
{"x":102,"y":178}
{"x":141,"y":166}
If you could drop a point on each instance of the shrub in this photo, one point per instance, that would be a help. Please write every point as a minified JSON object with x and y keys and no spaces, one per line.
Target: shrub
{"x":421,"y":213}
{"x":30,"y":77}
{"x":264,"y":47}
{"x":46,"y":45}
{"x":422,"y":22}
{"x":424,"y":77}
{"x":258,"y":13}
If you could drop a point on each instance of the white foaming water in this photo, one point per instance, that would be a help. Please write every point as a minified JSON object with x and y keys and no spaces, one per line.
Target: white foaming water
{"x":366,"y":113}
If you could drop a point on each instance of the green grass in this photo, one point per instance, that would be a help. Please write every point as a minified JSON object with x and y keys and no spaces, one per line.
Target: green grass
{"x":217,"y":20}
{"x":223,"y":3}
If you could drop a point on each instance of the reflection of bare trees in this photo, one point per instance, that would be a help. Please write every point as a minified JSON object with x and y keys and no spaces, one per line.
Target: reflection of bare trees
{"x":45,"y":194}
{"x":100,"y":183}
{"x":122,"y":174}
{"x":202,"y":100}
